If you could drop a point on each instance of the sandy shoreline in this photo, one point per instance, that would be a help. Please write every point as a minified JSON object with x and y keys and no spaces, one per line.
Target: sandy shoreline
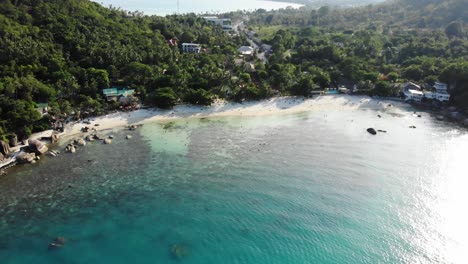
{"x":278,"y":105}
{"x":273,"y":106}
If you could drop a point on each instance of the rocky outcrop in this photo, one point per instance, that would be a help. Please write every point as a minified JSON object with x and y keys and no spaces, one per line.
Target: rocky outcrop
{"x":4,"y":148}
{"x":37,"y":146}
{"x":372,"y":131}
{"x":13,"y":141}
{"x":24,"y":157}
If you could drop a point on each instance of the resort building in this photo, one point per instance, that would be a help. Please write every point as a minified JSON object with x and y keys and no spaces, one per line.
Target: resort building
{"x":439,"y":92}
{"x":411,"y":86}
{"x":191,"y":48}
{"x":116,"y":94}
{"x":225,"y":23}
{"x":414,"y":95}
{"x":246,"y":50}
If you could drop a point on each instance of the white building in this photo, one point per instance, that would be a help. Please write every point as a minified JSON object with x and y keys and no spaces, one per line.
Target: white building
{"x":191,"y":48}
{"x":225,"y":23}
{"x":411,"y":86}
{"x":414,"y":95}
{"x":246,"y":50}
{"x":440,"y":93}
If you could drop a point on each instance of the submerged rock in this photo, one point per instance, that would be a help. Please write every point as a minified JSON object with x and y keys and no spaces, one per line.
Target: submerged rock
{"x":412,"y":127}
{"x":58,"y":242}
{"x":440,"y":117}
{"x":178,"y":251}
{"x":52,"y":154}
{"x":372,"y":131}
{"x":107,"y":141}
{"x":89,"y":138}
{"x":128,"y":137}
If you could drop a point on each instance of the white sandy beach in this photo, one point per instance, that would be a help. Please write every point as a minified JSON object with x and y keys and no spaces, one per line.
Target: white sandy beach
{"x":278,"y":105}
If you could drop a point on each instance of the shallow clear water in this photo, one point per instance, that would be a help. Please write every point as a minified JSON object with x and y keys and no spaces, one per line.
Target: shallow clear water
{"x":305,"y":188}
{"x":168,"y":7}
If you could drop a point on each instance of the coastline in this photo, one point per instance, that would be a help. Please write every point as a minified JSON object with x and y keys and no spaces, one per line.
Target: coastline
{"x":276,"y":105}
{"x":221,"y":108}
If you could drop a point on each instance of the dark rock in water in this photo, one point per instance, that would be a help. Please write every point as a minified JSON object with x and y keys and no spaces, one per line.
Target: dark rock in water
{"x":53,"y":246}
{"x":372,"y":131}
{"x":178,"y":251}
{"x":412,"y":127}
{"x":128,"y":137}
{"x":383,"y":131}
{"x":59,"y":240}
{"x":440,"y":117}
{"x":57,"y":243}
{"x":85,"y":129}
{"x":419,"y":115}
{"x":465,"y":122}
{"x":379,"y":116}
{"x":111,"y":137}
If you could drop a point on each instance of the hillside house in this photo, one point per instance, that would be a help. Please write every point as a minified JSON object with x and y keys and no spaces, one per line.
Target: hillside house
{"x":191,"y":48}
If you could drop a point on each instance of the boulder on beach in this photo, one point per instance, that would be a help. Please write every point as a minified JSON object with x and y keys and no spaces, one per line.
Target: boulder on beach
{"x":81,"y":142}
{"x":70,"y":148}
{"x":55,"y":137}
{"x":24,"y":157}
{"x":372,"y":131}
{"x":107,"y":141}
{"x":37,"y":146}
{"x":4,"y":148}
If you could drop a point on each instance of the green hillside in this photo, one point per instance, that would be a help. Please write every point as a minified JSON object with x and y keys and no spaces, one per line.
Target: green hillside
{"x":64,"y":52}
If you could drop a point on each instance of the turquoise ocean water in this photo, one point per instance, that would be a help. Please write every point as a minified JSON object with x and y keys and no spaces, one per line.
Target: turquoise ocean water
{"x":169,"y":7}
{"x":312,"y":187}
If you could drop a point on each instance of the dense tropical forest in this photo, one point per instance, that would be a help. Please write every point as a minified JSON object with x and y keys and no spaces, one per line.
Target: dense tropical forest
{"x":64,"y":52}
